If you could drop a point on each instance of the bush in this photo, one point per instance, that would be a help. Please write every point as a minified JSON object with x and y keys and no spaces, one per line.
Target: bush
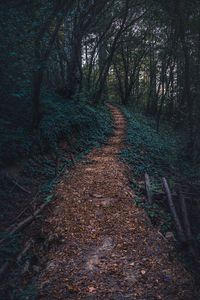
{"x":61,"y":120}
{"x":149,"y":151}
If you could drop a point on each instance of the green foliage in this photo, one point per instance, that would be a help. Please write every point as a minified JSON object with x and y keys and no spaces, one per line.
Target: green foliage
{"x":156,"y":214}
{"x":154,"y":153}
{"x":158,"y":154}
{"x":149,"y":151}
{"x":81,"y":126}
{"x":62,"y":120}
{"x":49,"y":199}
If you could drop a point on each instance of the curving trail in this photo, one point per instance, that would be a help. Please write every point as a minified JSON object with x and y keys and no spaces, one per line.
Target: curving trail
{"x":100,"y":245}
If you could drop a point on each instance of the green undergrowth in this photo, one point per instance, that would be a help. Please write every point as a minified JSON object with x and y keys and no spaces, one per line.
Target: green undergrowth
{"x":161,"y":154}
{"x":80,"y":126}
{"x":157,"y":154}
{"x":150,"y":151}
{"x":67,"y":132}
{"x":62,"y":119}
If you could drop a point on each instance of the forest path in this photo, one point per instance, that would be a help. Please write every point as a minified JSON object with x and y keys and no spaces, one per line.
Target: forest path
{"x":100,"y":245}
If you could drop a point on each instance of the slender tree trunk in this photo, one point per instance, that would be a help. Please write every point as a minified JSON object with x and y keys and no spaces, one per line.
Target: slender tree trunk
{"x":42,"y":55}
{"x":181,"y":28}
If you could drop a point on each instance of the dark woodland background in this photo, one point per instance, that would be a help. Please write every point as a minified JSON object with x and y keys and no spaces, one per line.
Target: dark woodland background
{"x":62,"y":61}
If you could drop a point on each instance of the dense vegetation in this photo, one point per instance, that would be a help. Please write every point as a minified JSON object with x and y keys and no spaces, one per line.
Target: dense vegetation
{"x":143,"y":53}
{"x":61,"y":60}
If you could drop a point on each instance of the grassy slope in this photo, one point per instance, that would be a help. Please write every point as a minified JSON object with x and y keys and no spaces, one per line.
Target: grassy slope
{"x":154,"y":153}
{"x":83,"y":126}
{"x":62,"y":119}
{"x":160,"y":154}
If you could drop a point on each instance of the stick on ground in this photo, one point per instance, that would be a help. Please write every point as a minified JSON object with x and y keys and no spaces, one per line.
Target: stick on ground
{"x":179,"y":228}
{"x":148,"y":188}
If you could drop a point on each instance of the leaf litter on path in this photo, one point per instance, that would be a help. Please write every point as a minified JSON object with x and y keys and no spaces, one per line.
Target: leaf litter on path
{"x":108,"y":251}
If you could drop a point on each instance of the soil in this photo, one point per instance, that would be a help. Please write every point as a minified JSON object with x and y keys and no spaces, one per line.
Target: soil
{"x":101,"y":246}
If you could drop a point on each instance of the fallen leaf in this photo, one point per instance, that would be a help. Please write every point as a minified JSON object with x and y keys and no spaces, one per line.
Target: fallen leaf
{"x":91,"y":289}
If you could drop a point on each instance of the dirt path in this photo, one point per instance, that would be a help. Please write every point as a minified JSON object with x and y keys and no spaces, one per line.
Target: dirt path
{"x":102,"y":246}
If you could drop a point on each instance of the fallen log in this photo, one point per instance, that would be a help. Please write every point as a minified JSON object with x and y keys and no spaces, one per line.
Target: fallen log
{"x":177,"y":222}
{"x":25,"y":222}
{"x":14,"y":181}
{"x":6,"y":265}
{"x":25,"y":250}
{"x":29,"y":219}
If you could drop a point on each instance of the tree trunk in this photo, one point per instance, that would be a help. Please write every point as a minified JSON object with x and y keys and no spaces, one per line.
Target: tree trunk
{"x":181,"y":28}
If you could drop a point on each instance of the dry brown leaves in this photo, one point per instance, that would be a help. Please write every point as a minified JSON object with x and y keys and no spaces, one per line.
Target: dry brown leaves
{"x":104,"y":248}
